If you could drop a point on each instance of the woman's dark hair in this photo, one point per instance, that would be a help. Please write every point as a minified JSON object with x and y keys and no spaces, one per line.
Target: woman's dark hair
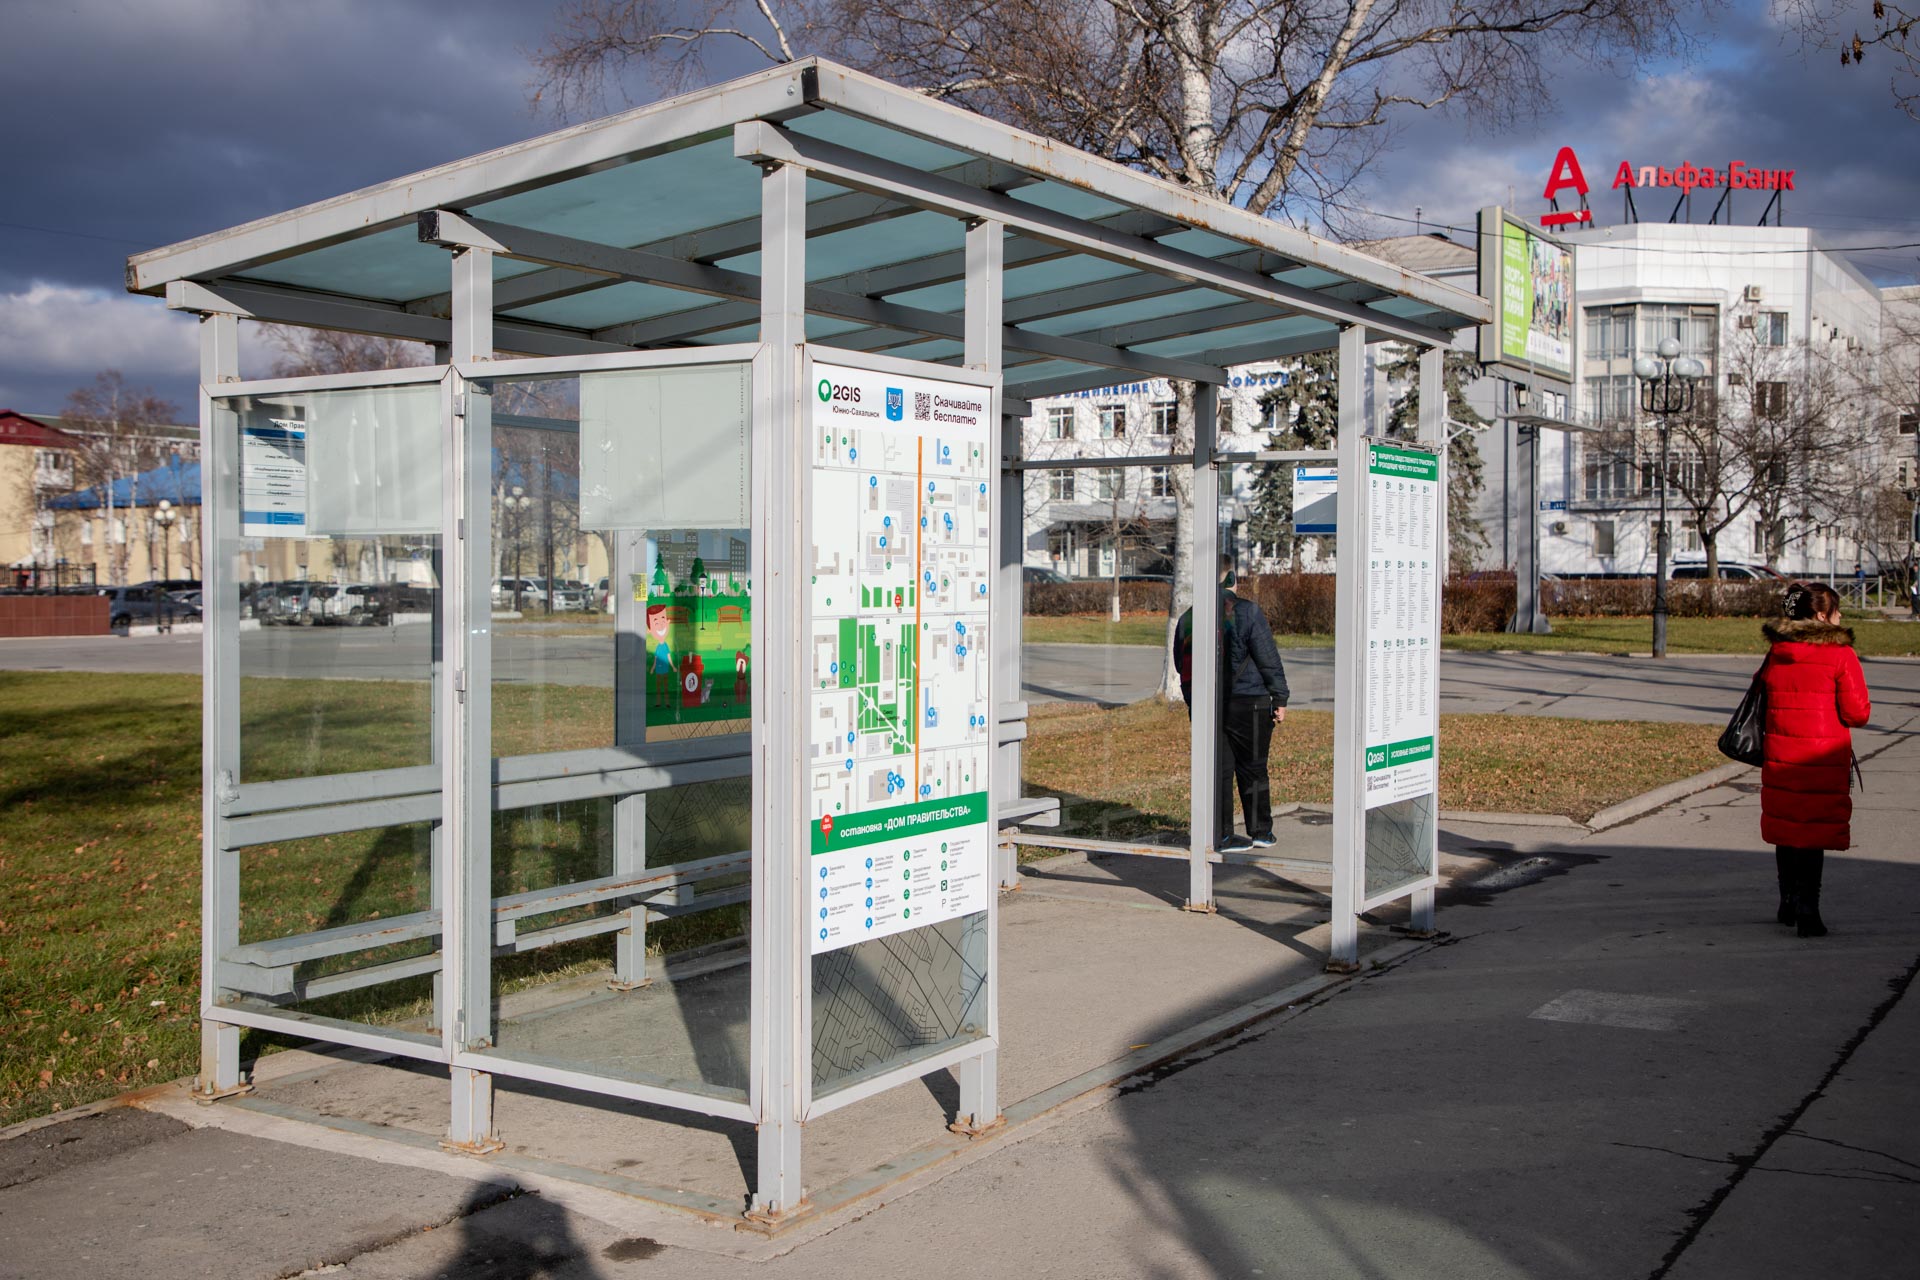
{"x":1806,"y":599}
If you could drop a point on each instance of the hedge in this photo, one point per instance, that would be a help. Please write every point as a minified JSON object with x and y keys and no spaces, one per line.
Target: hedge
{"x":1302,"y":603}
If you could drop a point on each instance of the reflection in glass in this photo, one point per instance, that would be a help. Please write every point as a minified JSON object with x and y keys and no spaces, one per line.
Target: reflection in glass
{"x":368,"y":895}
{"x":338,"y":576}
{"x":1399,"y":843}
{"x":622,"y":603}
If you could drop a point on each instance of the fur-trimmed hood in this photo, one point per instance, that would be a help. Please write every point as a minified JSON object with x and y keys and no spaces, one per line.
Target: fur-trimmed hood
{"x":1806,"y":631}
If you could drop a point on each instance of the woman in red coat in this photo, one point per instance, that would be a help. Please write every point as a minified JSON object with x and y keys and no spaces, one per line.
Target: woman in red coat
{"x":1815,"y":690}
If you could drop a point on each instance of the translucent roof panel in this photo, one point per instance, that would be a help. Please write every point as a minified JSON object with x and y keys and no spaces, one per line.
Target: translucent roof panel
{"x":609,"y":208}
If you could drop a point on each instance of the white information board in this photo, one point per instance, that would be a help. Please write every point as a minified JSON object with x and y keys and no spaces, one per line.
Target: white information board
{"x":1402,"y":623}
{"x":273,"y":479}
{"x":900,"y":723}
{"x":1316,"y":492}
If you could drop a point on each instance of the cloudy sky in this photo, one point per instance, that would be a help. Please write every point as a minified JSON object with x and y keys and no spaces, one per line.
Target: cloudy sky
{"x":137,"y":123}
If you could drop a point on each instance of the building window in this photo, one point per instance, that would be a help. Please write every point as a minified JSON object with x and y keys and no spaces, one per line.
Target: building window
{"x":1060,"y":422}
{"x":1224,"y":420}
{"x":1159,"y":482}
{"x":1603,"y":537}
{"x":1614,"y":398}
{"x":1770,"y":329}
{"x":86,"y":531}
{"x":1760,"y":538}
{"x":1163,"y":417}
{"x":1060,"y":544}
{"x":1690,"y":536}
{"x":1113,"y":421}
{"x":1060,"y":486}
{"x":1609,"y":475}
{"x":1609,"y":333}
{"x":1769,"y":399}
{"x":1108,"y":484}
{"x":1909,"y":423}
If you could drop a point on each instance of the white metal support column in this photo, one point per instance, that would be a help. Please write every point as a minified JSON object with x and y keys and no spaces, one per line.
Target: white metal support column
{"x":628,"y":565}
{"x":1433,"y":431}
{"x":1204,"y":713}
{"x":220,"y":705}
{"x":1009,"y":586}
{"x":1349,"y":661}
{"x":986,"y":256}
{"x":781,"y":981}
{"x":466,"y":767}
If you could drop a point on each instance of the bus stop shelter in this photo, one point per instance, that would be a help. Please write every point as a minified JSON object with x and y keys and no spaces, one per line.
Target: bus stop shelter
{"x":753,"y":358}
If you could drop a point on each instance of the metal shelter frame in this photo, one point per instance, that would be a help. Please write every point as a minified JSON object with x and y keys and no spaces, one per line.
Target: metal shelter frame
{"x":805,"y":211}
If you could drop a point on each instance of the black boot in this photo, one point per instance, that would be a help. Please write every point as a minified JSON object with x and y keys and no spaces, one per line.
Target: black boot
{"x":1783,"y":865}
{"x":1808,"y":901}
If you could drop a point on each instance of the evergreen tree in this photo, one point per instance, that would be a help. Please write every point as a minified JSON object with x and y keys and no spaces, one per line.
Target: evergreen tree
{"x":1304,"y":412}
{"x":1465,"y":472}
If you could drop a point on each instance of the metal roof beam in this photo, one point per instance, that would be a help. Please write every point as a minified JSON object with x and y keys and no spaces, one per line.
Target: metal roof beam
{"x":947,"y":267}
{"x":760,"y":141}
{"x":710,"y":244}
{"x":446,"y":228}
{"x":276,"y":304}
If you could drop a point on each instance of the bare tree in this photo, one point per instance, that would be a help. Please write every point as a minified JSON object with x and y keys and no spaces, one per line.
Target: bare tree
{"x":1272,"y":105}
{"x":1891,"y":31}
{"x":116,"y":426}
{"x":308,"y":352}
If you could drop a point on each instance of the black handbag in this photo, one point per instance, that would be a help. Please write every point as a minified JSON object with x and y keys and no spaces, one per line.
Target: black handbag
{"x":1744,"y":738}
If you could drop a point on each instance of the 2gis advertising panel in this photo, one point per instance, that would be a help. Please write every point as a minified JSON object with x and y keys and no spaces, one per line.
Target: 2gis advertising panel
{"x":900,"y":722}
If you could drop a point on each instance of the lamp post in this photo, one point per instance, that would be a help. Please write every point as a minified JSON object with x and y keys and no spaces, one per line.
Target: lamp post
{"x":516,"y":502}
{"x":165,"y":516}
{"x":1666,"y":388}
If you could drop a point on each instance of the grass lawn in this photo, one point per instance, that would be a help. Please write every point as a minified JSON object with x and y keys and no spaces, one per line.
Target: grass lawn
{"x":1122,"y":773}
{"x":1872,"y":636}
{"x":100,"y":860}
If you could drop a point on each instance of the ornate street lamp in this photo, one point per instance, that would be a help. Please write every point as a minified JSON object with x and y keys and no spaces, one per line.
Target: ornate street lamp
{"x":1666,"y":388}
{"x":165,"y":516}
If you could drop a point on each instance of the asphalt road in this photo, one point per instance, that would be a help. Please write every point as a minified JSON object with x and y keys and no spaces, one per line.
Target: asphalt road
{"x":1581,"y":686}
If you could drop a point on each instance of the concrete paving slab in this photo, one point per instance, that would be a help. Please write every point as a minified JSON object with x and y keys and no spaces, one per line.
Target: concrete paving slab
{"x":210,"y":1204}
{"x":49,"y":1150}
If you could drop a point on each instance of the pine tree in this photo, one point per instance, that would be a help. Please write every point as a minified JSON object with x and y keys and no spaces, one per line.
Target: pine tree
{"x":1304,"y":411}
{"x":1465,"y":471}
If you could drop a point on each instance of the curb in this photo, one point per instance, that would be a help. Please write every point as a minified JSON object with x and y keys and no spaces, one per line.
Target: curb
{"x":1510,"y":819}
{"x":1660,"y":797}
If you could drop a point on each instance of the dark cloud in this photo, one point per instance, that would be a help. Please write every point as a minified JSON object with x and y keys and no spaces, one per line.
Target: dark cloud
{"x":134,"y":123}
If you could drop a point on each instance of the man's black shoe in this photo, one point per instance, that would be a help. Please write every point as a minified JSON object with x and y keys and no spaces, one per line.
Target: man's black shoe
{"x":1234,"y":844}
{"x":1263,"y":842}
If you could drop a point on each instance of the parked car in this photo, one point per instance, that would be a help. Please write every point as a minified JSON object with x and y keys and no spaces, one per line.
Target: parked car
{"x":1031,"y":574}
{"x":523,"y":593}
{"x":286,"y":604}
{"x":568,"y":597}
{"x":146,"y":603}
{"x":1729,"y":572}
{"x":353,"y":605}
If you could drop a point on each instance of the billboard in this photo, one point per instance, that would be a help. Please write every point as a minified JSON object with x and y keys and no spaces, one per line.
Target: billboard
{"x":1528,"y":276}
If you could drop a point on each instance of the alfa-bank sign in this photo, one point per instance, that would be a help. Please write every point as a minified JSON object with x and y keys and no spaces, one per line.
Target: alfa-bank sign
{"x":1567,"y":176}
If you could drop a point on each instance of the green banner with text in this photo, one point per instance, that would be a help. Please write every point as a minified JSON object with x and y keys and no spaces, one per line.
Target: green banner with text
{"x":875,"y":825}
{"x":1412,"y":751}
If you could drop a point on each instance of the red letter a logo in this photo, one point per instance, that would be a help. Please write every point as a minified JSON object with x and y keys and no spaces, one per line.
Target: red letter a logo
{"x":1566,"y":173}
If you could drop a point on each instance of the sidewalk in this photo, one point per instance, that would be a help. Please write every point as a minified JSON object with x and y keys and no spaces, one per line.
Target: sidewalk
{"x":1616,"y":1064}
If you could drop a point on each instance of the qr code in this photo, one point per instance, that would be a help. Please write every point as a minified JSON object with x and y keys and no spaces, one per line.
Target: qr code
{"x":922,"y":405}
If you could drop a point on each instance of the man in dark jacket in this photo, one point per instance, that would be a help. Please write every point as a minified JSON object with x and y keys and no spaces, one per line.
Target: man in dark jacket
{"x":1253,"y":699}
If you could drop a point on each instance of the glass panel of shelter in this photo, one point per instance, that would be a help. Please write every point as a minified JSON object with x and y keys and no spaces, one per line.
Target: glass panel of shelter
{"x":622,"y":589}
{"x":336,"y":576}
{"x":1102,"y":740}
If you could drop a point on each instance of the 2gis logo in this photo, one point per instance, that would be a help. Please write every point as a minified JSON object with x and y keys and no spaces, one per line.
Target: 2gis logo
{"x":1376,"y":756}
{"x":831,"y":390}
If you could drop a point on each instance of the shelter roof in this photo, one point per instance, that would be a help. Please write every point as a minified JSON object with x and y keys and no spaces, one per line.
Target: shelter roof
{"x":642,"y":230}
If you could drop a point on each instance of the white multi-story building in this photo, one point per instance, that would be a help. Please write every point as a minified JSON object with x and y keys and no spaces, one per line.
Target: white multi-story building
{"x":1080,"y":519}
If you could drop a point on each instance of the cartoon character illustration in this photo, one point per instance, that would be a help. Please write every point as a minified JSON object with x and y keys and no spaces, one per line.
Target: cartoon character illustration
{"x":661,"y":682}
{"x":693,"y":685}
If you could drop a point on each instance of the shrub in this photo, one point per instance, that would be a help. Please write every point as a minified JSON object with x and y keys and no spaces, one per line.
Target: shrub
{"x":1095,"y":596}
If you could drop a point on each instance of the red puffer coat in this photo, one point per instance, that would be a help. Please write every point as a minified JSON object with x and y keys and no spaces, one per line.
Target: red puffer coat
{"x":1815,"y":689}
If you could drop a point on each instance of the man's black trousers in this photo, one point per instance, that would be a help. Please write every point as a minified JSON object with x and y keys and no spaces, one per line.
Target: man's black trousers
{"x":1246,"y":733}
